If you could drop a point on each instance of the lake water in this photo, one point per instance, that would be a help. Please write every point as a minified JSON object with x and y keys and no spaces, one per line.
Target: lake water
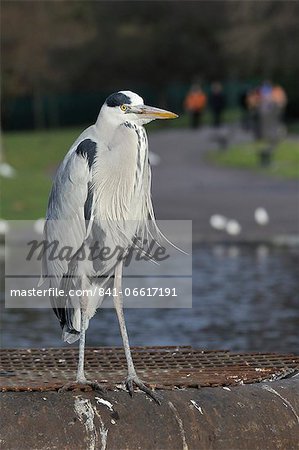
{"x":244,"y":298}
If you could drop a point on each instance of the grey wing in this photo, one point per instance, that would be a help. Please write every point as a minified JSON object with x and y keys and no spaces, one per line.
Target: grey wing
{"x":70,"y":207}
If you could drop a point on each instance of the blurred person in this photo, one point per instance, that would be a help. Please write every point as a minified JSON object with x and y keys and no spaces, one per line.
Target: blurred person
{"x":279,"y":101}
{"x":272,"y":106}
{"x":243,"y":104}
{"x":195,"y":103}
{"x":265,"y":111}
{"x":217,"y":103}
{"x":279,"y":98}
{"x":253,"y":101}
{"x":253,"y":98}
{"x":266,"y":92}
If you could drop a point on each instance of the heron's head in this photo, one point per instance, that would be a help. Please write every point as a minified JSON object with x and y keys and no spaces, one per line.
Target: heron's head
{"x":126,"y":106}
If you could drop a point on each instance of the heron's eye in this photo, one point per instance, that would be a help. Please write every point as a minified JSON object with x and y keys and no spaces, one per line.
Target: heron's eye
{"x":123,"y":107}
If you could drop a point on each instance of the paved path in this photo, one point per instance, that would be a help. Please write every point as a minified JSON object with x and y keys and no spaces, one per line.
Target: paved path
{"x":185,"y":186}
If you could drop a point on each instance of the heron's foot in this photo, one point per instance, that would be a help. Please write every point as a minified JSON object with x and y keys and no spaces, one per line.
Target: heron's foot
{"x":134,"y":379}
{"x":81,"y":385}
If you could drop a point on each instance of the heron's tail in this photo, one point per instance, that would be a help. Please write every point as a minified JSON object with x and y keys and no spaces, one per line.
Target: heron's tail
{"x":70,"y":336}
{"x":70,"y":330}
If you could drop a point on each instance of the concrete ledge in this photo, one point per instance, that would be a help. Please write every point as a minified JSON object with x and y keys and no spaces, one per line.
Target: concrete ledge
{"x":254,"y":416}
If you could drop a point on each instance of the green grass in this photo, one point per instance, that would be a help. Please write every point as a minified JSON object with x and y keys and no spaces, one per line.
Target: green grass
{"x":293,"y":127}
{"x":245,"y":156}
{"x":35,"y":156}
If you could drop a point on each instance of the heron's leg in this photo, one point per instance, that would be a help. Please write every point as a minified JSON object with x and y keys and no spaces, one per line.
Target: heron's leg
{"x":80,"y":370}
{"x":118,"y":304}
{"x":81,"y":379}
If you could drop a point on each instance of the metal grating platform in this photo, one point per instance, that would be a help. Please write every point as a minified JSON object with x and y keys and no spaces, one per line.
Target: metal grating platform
{"x":159,"y":367}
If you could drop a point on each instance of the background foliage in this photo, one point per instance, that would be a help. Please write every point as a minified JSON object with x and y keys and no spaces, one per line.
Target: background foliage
{"x":55,"y":52}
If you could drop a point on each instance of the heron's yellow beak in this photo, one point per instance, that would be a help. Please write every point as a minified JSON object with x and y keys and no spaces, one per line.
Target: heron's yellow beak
{"x":153,"y":113}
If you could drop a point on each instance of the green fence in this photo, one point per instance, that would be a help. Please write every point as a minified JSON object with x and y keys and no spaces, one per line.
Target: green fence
{"x":71,"y":109}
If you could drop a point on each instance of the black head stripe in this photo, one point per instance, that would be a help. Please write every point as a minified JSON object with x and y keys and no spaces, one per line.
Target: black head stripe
{"x":118,"y":99}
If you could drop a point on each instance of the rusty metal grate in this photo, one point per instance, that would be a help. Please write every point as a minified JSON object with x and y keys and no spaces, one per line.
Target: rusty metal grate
{"x":160,"y":367}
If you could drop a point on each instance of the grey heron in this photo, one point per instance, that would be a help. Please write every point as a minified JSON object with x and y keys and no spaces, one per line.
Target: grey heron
{"x":102,"y":191}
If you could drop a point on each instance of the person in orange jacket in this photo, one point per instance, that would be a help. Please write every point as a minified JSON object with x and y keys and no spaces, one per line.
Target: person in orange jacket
{"x":279,"y":97}
{"x":195,"y":103}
